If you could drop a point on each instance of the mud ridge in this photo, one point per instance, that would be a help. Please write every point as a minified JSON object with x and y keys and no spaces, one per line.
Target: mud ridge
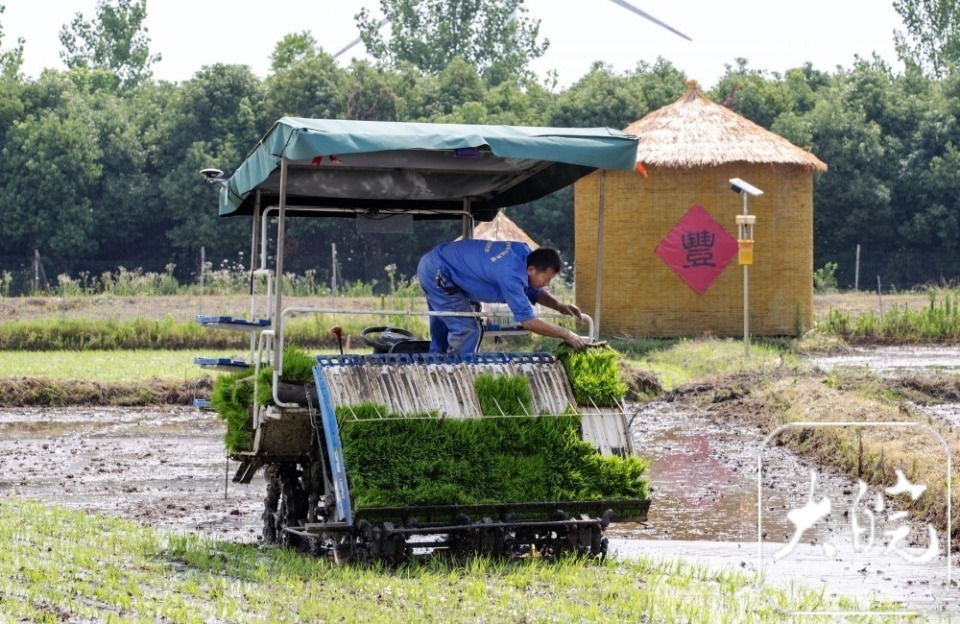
{"x":46,"y":392}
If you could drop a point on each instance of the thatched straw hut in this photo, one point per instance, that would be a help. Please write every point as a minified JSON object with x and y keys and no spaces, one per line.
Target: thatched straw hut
{"x":502,"y":228}
{"x":690,"y":150}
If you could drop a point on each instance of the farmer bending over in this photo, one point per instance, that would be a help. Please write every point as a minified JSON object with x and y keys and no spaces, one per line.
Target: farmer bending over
{"x":455,"y":274}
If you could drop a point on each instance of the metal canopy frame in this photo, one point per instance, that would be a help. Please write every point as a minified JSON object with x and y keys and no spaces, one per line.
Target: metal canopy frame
{"x":336,"y":168}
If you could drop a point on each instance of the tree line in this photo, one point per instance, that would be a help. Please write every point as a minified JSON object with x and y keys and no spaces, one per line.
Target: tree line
{"x":100,"y":161}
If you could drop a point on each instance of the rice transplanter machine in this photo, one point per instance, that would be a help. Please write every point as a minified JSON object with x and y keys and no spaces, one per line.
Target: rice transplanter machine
{"x":376,"y":170}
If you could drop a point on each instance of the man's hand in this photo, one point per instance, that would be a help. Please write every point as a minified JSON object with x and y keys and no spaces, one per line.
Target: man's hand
{"x":575,"y":341}
{"x":570,"y":310}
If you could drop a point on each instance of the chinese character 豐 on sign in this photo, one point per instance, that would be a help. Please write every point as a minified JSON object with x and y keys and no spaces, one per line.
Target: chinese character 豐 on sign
{"x":697,"y":249}
{"x":699,"y":246}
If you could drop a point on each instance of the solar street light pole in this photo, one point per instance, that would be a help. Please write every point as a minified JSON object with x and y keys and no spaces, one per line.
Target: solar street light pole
{"x":746,"y":290}
{"x":745,"y":223}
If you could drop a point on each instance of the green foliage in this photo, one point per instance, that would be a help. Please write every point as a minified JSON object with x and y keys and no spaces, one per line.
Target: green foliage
{"x":116,"y":40}
{"x":119,"y":166}
{"x":106,"y":366}
{"x":680,"y":361}
{"x":52,"y":159}
{"x":10,"y":60}
{"x":825,"y":278}
{"x":503,"y":395}
{"x":419,"y":459}
{"x":599,"y":99}
{"x":293,"y":48}
{"x":752,"y":94}
{"x":297,"y":366}
{"x":311,"y":87}
{"x":594,"y":374}
{"x":495,"y":36}
{"x":77,"y":334}
{"x":932,"y":38}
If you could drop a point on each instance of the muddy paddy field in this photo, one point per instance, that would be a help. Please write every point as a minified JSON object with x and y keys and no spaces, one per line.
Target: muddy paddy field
{"x":165,"y":467}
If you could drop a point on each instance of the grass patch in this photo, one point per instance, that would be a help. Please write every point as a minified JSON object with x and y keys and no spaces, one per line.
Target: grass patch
{"x":676,"y":362}
{"x":61,"y":565}
{"x":937,"y":321}
{"x":423,"y":460}
{"x":104,"y":366}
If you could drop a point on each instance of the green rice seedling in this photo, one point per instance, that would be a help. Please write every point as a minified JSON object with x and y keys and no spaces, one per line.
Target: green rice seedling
{"x":419,"y":459}
{"x":297,"y":365}
{"x":232,"y":398}
{"x":594,"y":374}
{"x":297,"y":369}
{"x":65,"y":565}
{"x":503,"y":395}
{"x":233,"y":395}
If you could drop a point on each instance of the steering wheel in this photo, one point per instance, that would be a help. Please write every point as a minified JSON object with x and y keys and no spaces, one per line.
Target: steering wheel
{"x":382,"y":338}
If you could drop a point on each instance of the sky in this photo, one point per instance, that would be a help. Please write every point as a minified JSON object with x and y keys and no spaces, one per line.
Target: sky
{"x":772,"y":36}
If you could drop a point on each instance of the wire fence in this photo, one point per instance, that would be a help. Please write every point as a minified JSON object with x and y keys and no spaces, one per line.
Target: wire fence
{"x":27,"y":292}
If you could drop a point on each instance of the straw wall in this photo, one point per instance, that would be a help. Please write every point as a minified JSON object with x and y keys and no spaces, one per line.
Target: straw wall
{"x":642,"y":296}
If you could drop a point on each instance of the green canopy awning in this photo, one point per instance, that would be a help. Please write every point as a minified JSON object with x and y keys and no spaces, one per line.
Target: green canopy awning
{"x":348,"y":167}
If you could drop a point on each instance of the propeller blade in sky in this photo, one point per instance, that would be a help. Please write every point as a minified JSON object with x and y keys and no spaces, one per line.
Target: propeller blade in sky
{"x":622,"y":3}
{"x":347,"y":47}
{"x":646,"y":15}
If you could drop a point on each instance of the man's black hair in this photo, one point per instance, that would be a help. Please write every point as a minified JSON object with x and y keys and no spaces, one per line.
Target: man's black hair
{"x":545,"y":258}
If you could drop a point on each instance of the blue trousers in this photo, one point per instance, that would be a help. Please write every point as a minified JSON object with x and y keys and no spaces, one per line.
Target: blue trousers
{"x":448,"y":334}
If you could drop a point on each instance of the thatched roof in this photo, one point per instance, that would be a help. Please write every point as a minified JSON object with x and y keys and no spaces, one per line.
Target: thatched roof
{"x":695,"y":132}
{"x":502,"y":228}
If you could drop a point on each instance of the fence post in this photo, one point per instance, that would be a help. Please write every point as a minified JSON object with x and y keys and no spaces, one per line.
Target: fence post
{"x":333,"y":272}
{"x":203,"y":269}
{"x":63,"y":302}
{"x":856,"y":271}
{"x":36,"y":270}
{"x":880,"y":297}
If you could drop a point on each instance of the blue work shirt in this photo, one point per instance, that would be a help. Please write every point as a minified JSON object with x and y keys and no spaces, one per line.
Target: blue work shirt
{"x":492,"y":272}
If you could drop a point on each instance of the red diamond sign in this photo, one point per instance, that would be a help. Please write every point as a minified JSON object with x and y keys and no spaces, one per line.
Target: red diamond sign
{"x":697,"y":249}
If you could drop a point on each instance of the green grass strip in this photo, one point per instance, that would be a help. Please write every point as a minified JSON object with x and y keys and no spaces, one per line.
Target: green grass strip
{"x":104,"y":366}
{"x":110,"y":334}
{"x":73,"y":334}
